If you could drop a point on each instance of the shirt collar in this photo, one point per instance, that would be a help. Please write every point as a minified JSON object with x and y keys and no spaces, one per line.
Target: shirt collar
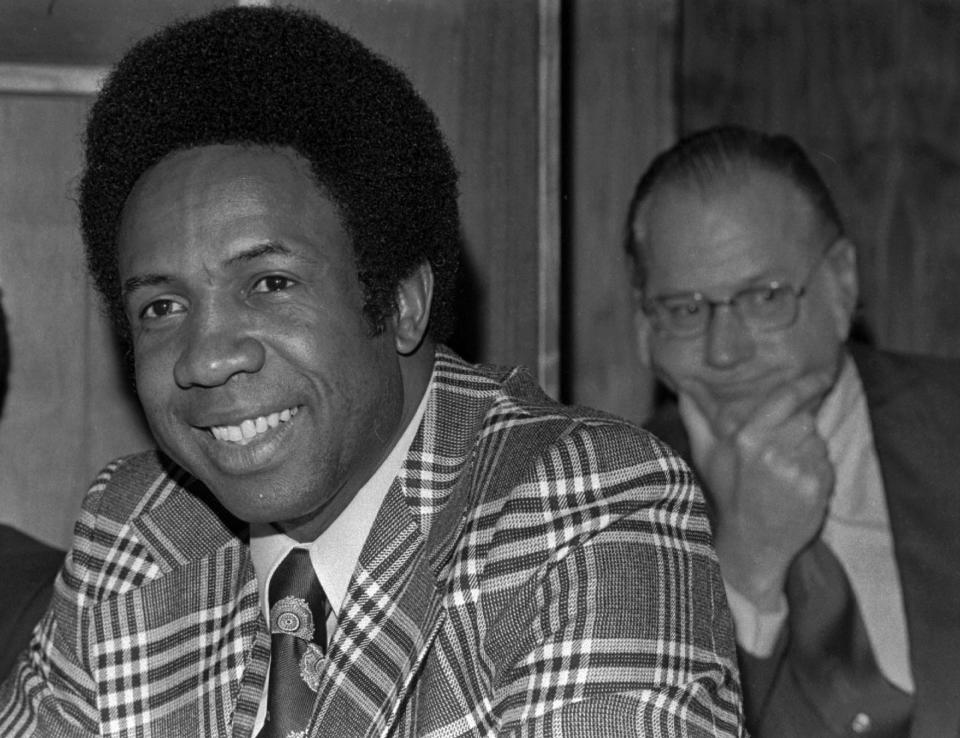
{"x":841,"y":401}
{"x":335,"y":552}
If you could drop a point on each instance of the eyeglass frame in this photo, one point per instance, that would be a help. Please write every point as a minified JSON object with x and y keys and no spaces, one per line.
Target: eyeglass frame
{"x":649,"y":304}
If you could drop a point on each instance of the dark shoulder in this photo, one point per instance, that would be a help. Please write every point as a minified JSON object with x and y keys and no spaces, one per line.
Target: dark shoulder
{"x":15,"y":543}
{"x":29,"y":569}
{"x":884,"y":372}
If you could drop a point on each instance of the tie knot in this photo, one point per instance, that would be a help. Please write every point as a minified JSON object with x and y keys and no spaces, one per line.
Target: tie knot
{"x":293,"y":577}
{"x":297,"y":601}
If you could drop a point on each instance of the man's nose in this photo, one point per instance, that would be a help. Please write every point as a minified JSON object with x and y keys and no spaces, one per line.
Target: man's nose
{"x":729,"y":340}
{"x":218,"y":346}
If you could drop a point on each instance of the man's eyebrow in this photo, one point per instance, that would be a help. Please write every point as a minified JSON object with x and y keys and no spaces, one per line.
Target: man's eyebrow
{"x":269,"y":248}
{"x":249,"y":254}
{"x":143,"y":280}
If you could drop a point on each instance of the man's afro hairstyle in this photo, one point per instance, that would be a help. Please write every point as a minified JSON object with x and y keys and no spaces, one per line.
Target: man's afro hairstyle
{"x":284,"y":78}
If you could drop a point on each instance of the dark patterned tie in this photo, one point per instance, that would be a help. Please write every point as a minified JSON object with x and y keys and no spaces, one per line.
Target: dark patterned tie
{"x":298,"y":609}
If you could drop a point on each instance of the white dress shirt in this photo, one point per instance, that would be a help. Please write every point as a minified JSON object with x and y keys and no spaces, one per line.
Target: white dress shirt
{"x":857,"y":530}
{"x":335,"y":553}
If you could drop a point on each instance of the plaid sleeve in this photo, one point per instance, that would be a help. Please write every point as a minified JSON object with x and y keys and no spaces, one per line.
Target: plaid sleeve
{"x":48,"y":685}
{"x":632,"y":634}
{"x":50,"y":691}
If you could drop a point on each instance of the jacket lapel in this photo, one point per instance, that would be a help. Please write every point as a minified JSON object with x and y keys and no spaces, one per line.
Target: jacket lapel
{"x":920,"y":468}
{"x":394,"y":606}
{"x":205,"y":605}
{"x":388,"y":620}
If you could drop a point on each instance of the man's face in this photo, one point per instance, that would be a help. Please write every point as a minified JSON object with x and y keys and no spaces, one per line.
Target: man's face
{"x":255,"y":365}
{"x":742,"y":233}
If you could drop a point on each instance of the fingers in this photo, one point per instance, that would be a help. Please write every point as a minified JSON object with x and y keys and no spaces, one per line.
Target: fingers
{"x":805,"y":394}
{"x":794,"y":403}
{"x":808,"y":462}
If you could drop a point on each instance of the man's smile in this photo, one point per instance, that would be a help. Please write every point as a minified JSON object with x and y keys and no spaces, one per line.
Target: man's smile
{"x":251,"y":444}
{"x":247,"y":430}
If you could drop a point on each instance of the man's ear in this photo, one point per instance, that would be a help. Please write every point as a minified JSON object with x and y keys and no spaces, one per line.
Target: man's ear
{"x":642,"y":329}
{"x":842,"y":261}
{"x":414,"y":296}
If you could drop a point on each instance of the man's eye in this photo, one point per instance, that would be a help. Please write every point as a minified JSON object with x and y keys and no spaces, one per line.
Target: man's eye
{"x":273,"y":283}
{"x":684,"y":309}
{"x":764,"y":296}
{"x":160,"y":309}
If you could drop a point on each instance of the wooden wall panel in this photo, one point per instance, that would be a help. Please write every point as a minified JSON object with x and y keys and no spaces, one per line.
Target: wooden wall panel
{"x":67,"y":412}
{"x":476,"y":62}
{"x":871,"y":88}
{"x":620,"y":113}
{"x":84,"y":32}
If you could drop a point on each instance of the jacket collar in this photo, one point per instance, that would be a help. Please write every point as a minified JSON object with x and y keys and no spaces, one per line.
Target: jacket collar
{"x":915,"y":417}
{"x":394,"y":606}
{"x":181,"y":521}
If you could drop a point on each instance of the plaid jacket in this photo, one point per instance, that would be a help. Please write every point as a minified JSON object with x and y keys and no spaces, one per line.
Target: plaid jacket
{"x":534,"y":570}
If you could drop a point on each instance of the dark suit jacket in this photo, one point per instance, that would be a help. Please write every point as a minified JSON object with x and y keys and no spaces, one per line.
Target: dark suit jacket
{"x":534,"y":570}
{"x":914,"y":406}
{"x":27,"y":570}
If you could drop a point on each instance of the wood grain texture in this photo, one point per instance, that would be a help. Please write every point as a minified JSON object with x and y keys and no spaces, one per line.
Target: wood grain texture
{"x":620,"y":114}
{"x":871,"y":88}
{"x":477,"y":63}
{"x":68,"y":410}
{"x":84,"y":32}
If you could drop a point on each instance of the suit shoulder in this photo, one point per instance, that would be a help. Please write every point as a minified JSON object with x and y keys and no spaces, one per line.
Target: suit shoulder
{"x":122,"y":488}
{"x":523,"y":398}
{"x":540,"y":440}
{"x":918,"y":390}
{"x":892,"y":367}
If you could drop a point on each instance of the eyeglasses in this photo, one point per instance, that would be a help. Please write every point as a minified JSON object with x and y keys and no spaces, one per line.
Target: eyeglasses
{"x":770,"y":307}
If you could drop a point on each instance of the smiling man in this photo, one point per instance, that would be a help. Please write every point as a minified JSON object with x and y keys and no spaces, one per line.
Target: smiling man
{"x":830,"y":467}
{"x":347,"y":530}
{"x":256,"y":366}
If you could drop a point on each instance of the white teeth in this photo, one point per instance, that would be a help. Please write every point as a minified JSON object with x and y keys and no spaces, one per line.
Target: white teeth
{"x":251,"y":427}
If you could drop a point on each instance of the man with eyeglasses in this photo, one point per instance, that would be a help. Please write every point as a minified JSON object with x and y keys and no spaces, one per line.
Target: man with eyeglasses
{"x":831,"y":468}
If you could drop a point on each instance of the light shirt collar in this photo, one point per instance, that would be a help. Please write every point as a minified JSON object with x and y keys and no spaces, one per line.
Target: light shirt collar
{"x":844,"y":421}
{"x":335,"y":553}
{"x":857,"y":527}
